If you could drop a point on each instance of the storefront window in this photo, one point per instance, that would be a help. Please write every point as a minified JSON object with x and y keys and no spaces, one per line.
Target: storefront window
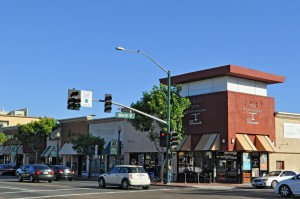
{"x":150,"y":162}
{"x":203,"y":162}
{"x":185,"y":162}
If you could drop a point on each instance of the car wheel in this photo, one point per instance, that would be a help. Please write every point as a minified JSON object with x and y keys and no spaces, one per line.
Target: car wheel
{"x":0,"y":173}
{"x":32,"y":179}
{"x":146,"y":187}
{"x":285,"y":191}
{"x":49,"y":181}
{"x":70,"y":179}
{"x":125,"y":185}
{"x":20,"y":178}
{"x":55,"y":177}
{"x":274,"y":184}
{"x":101,"y":183}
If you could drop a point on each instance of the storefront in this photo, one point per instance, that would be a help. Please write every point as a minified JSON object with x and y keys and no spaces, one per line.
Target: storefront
{"x":230,"y":126}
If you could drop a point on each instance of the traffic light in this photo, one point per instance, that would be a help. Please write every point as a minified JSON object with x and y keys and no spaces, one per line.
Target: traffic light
{"x":107,"y":103}
{"x":74,"y":99}
{"x":163,"y":139}
{"x":174,"y":139}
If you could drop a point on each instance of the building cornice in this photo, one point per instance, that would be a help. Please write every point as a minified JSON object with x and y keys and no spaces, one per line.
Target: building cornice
{"x":287,"y":115}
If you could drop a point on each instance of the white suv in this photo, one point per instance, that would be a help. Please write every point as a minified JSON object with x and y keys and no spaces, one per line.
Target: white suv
{"x":125,"y":176}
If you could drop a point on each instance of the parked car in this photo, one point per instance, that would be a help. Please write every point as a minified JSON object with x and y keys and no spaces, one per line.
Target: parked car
{"x":289,"y":187}
{"x":62,"y":172}
{"x":272,"y":179}
{"x":125,"y":176}
{"x":35,"y":173}
{"x":20,"y":169}
{"x":6,"y":169}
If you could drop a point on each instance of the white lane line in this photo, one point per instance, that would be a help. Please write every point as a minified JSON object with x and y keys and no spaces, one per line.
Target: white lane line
{"x":28,"y":190}
{"x":98,"y":193}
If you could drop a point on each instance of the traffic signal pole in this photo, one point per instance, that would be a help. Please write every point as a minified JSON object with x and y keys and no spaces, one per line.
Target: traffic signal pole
{"x":135,"y":110}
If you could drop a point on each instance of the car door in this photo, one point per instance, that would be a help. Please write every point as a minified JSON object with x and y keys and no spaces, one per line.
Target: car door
{"x":295,"y":185}
{"x":112,"y":175}
{"x":286,"y":175}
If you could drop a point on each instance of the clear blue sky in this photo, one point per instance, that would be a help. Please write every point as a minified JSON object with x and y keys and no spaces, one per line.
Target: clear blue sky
{"x":47,"y":47}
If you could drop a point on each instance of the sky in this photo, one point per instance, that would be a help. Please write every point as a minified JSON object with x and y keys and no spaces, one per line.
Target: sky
{"x":48,"y":47}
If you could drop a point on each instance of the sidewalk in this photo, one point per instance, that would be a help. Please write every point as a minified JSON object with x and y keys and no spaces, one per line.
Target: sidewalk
{"x":182,"y":184}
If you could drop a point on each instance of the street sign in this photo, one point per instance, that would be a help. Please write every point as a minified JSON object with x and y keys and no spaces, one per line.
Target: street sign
{"x":86,"y":98}
{"x":125,"y":115}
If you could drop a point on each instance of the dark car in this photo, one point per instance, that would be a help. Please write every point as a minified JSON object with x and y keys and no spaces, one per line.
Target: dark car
{"x":20,"y":169}
{"x":35,"y":173}
{"x":6,"y":169}
{"x":62,"y":172}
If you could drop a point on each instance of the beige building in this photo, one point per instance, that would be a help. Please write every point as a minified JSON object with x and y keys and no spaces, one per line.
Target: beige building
{"x":12,"y":150}
{"x":287,"y":144}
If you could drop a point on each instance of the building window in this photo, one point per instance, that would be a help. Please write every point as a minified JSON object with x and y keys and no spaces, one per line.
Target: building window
{"x":279,"y":164}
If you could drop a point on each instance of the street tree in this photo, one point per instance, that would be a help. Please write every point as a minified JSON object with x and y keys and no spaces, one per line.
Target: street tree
{"x":34,"y":133}
{"x":3,"y":138}
{"x":155,"y":103}
{"x":86,"y":144}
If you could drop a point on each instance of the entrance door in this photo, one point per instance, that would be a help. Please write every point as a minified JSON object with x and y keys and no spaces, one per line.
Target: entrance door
{"x":227,"y":171}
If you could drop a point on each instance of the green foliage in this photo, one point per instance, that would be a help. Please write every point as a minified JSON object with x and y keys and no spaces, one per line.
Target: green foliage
{"x":155,"y":103}
{"x":3,"y":138}
{"x":85,"y":144}
{"x":36,"y":132}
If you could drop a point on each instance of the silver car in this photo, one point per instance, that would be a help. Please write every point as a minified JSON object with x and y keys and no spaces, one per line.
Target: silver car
{"x":272,"y":179}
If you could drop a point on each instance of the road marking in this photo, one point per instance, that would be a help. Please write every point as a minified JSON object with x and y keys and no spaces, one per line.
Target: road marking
{"x":28,"y":190}
{"x":98,"y":193}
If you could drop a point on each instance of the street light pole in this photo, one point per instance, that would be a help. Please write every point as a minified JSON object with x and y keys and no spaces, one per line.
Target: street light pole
{"x":168,"y":152}
{"x":57,"y":137}
{"x":119,"y":146}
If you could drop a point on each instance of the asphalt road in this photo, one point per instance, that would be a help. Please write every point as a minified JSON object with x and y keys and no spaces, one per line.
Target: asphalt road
{"x":11,"y":189}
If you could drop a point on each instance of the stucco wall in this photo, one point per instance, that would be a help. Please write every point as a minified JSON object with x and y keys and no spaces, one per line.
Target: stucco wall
{"x":288,"y":149}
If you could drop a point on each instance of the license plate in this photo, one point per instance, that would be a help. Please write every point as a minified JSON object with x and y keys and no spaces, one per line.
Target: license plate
{"x":46,"y":172}
{"x":67,"y":171}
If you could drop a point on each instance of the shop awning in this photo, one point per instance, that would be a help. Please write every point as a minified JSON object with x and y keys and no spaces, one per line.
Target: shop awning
{"x":67,"y":149}
{"x":1,"y":149}
{"x":263,"y":143}
{"x":46,"y":152}
{"x":20,"y":149}
{"x":106,"y":150}
{"x":185,"y":144}
{"x":6,"y":150}
{"x":243,"y":143}
{"x":209,"y":142}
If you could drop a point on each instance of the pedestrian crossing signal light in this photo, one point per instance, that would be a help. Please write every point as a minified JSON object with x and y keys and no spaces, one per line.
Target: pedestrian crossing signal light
{"x":163,"y":139}
{"x":174,"y":138}
{"x":107,"y":103}
{"x":74,"y":99}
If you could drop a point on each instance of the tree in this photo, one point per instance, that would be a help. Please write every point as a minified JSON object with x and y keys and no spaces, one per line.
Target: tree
{"x":155,"y":103}
{"x":35,"y":133}
{"x":3,"y":138}
{"x":85,"y":145}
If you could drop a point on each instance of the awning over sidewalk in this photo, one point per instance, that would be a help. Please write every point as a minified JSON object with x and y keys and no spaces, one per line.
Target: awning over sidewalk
{"x":46,"y":152}
{"x":185,"y":144}
{"x":67,"y":149}
{"x":209,"y":142}
{"x":6,"y":150}
{"x":243,"y":143}
{"x":2,"y":148}
{"x":263,"y":143}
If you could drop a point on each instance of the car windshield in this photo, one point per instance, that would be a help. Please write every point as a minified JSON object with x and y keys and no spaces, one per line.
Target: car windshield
{"x":136,"y":170}
{"x":274,"y":173}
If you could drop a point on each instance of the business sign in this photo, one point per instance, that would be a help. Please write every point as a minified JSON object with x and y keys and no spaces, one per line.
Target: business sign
{"x":291,"y":130}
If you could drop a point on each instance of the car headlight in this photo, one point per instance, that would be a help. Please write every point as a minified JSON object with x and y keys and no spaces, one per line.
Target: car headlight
{"x":265,"y":180}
